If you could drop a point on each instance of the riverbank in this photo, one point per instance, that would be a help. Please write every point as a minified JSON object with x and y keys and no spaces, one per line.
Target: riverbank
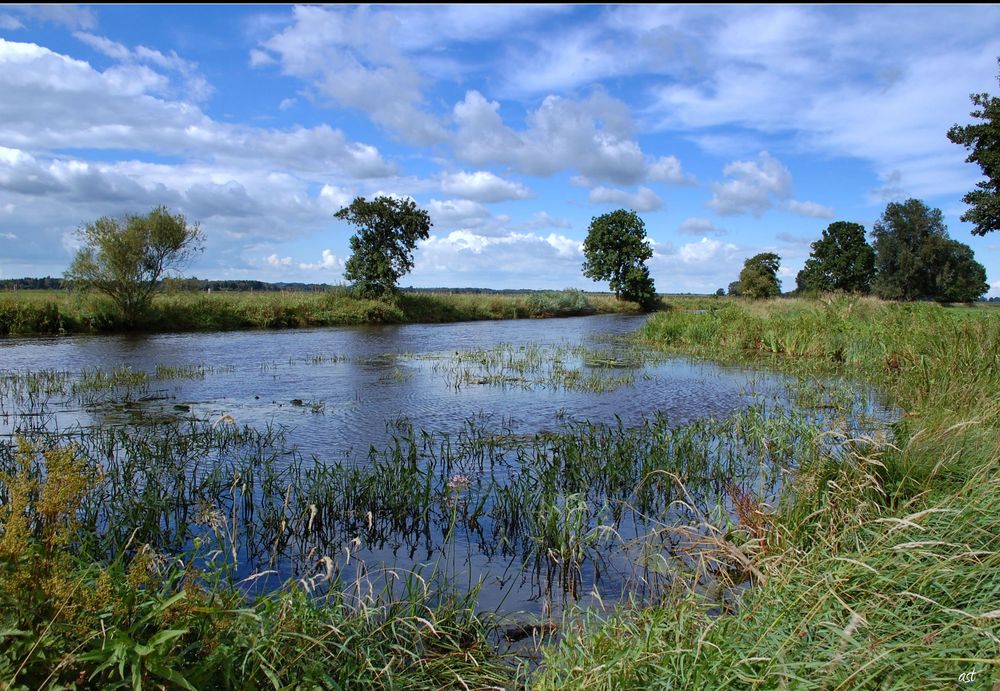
{"x":880,"y":567}
{"x":43,"y":312}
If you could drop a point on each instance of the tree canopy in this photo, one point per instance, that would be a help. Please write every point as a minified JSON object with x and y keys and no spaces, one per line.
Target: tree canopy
{"x":382,"y":248}
{"x":841,"y":260}
{"x":125,"y":257}
{"x":983,"y":141}
{"x":759,"y":277}
{"x":915,"y":258}
{"x":616,"y":251}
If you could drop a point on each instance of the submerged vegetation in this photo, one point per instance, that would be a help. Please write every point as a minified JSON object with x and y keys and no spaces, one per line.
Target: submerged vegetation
{"x":54,"y":312}
{"x":805,"y":546}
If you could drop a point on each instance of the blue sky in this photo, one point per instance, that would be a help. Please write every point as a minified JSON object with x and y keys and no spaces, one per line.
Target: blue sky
{"x":731,"y":130}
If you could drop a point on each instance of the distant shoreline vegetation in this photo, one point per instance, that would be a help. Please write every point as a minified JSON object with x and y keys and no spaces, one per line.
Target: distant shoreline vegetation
{"x":43,"y":306}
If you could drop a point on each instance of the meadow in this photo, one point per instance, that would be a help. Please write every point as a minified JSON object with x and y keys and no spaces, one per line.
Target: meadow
{"x":780,"y":547}
{"x":42,"y":312}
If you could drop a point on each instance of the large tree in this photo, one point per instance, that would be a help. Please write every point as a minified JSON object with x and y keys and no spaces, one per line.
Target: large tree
{"x":125,"y":257}
{"x":759,"y":277}
{"x":616,"y":251}
{"x":382,"y":249}
{"x":983,"y":140}
{"x":841,"y":260}
{"x":915,"y":259}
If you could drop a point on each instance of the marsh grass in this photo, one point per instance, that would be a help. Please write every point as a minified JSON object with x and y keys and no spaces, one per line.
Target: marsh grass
{"x":29,"y":312}
{"x":878,"y":566}
{"x":529,"y":366}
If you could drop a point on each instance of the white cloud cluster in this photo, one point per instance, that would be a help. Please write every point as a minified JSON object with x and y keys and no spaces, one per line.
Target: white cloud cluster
{"x":328,"y":262}
{"x":810,"y":209}
{"x":483,"y":186}
{"x":351,"y":59}
{"x":52,"y":101}
{"x":752,"y":187}
{"x":194,"y":85}
{"x":592,"y":136}
{"x":644,"y":199}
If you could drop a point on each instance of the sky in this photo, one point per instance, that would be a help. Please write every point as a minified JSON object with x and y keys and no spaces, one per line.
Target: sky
{"x":731,"y":130}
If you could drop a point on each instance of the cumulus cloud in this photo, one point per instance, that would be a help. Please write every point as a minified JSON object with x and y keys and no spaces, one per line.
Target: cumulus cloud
{"x":328,"y":262}
{"x":644,"y":199}
{"x":513,"y":259}
{"x":668,"y":169}
{"x":452,"y":213}
{"x":592,"y":136}
{"x":116,"y":109}
{"x":704,"y":251}
{"x":700,"y":226}
{"x":483,"y":186}
{"x":753,"y":186}
{"x":278,"y":262}
{"x":810,"y":209}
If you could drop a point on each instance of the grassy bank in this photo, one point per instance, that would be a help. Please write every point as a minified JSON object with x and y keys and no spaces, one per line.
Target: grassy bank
{"x":880,"y":568}
{"x":31,"y":312}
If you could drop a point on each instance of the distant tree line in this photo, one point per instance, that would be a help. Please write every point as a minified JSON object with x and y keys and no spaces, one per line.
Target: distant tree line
{"x":174,"y":284}
{"x":912,"y":257}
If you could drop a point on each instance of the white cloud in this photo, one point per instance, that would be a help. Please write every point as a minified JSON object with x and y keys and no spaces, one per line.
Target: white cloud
{"x":644,"y":199}
{"x":592,"y":136}
{"x":328,"y":262}
{"x":753,"y":186}
{"x":483,"y":186}
{"x":511,"y":260}
{"x":668,"y":169}
{"x":350,"y":57}
{"x":8,"y":236}
{"x":452,"y":213}
{"x":278,"y":262}
{"x":809,"y":209}
{"x":286,"y":103}
{"x":700,"y":226}
{"x":193,"y":85}
{"x":704,"y":251}
{"x":85,"y":108}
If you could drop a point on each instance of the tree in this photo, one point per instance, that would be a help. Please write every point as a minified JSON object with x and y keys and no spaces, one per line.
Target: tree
{"x":382,"y":249}
{"x":759,"y":277}
{"x":915,"y":259}
{"x":616,"y":251}
{"x":841,"y":260}
{"x":984,"y":141}
{"x":125,"y":257}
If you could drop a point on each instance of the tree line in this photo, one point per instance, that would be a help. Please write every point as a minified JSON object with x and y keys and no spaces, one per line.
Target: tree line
{"x":911,"y":257}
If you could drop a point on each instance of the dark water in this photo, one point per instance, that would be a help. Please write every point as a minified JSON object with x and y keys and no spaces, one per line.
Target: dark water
{"x":336,"y":393}
{"x":329,"y":407}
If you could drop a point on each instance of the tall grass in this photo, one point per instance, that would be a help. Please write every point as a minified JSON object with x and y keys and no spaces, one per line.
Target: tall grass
{"x":881,"y":566}
{"x":56,"y":312}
